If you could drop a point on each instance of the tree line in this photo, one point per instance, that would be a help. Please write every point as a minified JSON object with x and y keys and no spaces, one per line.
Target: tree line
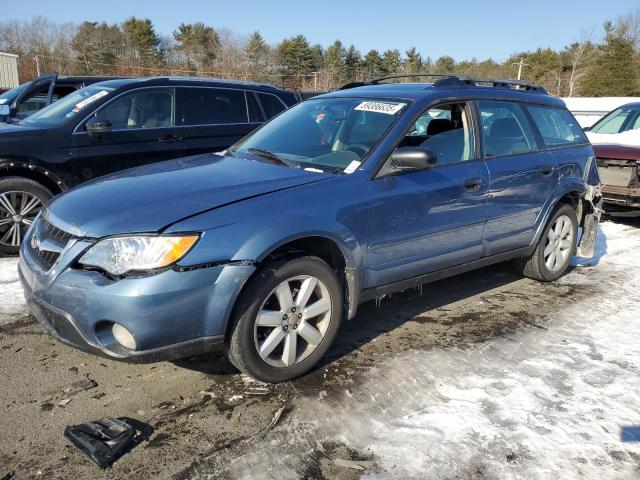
{"x":609,"y":66}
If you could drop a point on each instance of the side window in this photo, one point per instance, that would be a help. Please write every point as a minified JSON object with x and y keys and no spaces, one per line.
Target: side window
{"x":446,"y":130}
{"x":612,"y":122}
{"x":255,"y":113}
{"x":505,"y":129}
{"x":148,"y":109}
{"x":271,"y":104}
{"x":212,"y":106}
{"x":556,"y":125}
{"x":35,"y":101}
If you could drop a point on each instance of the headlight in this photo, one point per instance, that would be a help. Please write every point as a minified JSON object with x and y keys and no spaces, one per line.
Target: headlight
{"x":119,"y":255}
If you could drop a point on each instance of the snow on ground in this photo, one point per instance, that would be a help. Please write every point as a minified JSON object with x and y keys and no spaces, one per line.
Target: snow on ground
{"x":559,"y":401}
{"x":10,"y":291}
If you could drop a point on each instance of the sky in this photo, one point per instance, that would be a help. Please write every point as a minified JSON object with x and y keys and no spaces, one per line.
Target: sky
{"x":463,"y":29}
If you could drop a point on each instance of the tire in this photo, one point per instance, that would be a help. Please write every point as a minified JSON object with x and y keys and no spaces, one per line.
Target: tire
{"x":542,"y":267}
{"x":262,"y":346}
{"x":13,"y":227}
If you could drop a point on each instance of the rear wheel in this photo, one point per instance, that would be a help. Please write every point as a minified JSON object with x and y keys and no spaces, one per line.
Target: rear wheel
{"x":20,"y":201}
{"x":286,"y":319}
{"x":556,"y":247}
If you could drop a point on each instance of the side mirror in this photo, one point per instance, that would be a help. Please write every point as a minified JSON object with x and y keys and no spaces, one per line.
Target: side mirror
{"x":97,"y":126}
{"x":413,"y":158}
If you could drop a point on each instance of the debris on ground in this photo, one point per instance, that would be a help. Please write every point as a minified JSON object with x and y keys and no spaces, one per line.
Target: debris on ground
{"x":106,"y":440}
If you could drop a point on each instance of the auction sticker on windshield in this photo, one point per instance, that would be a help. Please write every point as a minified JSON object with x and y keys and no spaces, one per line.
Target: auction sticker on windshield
{"x":96,"y":96}
{"x":380,"y":107}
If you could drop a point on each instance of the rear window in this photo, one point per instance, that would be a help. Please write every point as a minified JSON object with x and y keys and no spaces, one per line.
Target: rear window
{"x":556,"y":125}
{"x":212,"y":106}
{"x":505,"y":129}
{"x":271,"y":104}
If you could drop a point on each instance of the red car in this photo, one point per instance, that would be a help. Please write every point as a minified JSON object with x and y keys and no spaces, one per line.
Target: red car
{"x":619,"y":168}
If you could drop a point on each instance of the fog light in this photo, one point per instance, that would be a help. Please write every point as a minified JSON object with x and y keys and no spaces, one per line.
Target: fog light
{"x":123,"y":336}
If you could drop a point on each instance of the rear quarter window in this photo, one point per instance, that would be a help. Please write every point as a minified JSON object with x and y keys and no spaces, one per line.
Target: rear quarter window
{"x":557,"y":126}
{"x":271,"y":104}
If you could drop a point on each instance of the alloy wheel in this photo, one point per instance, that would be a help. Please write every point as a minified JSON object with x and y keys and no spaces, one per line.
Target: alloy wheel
{"x":17,"y":211}
{"x":559,"y":243}
{"x":292,"y":321}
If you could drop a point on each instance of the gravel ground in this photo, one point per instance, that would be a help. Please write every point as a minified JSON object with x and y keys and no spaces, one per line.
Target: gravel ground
{"x":485,"y":375}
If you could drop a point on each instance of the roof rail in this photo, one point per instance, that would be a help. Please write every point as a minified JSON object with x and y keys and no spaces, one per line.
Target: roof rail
{"x":445,"y":80}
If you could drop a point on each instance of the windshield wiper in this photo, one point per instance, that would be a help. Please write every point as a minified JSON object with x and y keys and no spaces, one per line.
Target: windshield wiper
{"x":269,"y":155}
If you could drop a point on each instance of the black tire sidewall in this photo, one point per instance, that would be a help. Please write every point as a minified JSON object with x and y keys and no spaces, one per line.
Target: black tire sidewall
{"x":22,"y":185}
{"x":570,"y":212}
{"x":251,"y":301}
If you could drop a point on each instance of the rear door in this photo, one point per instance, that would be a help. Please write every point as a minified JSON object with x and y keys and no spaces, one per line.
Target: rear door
{"x":144,"y":130}
{"x":523,"y":175}
{"x":215,"y":118}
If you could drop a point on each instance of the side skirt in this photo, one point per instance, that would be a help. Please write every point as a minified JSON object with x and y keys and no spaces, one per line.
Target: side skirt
{"x":371,"y":293}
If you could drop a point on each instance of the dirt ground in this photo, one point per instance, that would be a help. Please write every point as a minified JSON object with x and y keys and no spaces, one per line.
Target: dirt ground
{"x":201,"y":409}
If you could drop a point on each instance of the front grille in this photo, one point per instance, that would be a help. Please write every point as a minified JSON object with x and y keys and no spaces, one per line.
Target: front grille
{"x":47,"y":242}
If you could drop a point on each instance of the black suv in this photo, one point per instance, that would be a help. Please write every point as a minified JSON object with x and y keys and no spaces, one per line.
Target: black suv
{"x":118,"y":124}
{"x":18,"y":103}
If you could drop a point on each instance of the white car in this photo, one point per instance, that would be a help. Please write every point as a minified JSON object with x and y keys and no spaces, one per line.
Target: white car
{"x":620,"y":126}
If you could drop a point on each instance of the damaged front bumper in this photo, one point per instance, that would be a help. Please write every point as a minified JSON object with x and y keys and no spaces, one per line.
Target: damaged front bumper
{"x":172,"y":314}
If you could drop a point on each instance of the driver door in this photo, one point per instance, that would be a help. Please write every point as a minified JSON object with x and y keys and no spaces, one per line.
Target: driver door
{"x":424,"y":221}
{"x":143,"y":130}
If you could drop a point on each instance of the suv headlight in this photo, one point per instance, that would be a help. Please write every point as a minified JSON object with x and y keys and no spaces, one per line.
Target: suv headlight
{"x":119,"y":255}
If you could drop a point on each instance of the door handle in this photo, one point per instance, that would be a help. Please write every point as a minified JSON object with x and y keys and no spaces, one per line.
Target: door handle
{"x":473,"y":183}
{"x":169,"y":139}
{"x":546,"y":170}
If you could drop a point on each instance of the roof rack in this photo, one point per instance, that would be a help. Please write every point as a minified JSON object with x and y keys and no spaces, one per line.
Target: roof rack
{"x":445,"y":80}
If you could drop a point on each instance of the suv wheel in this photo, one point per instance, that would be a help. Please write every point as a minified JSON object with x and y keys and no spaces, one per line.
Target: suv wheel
{"x":20,"y":201}
{"x":556,"y":247}
{"x":286,"y":319}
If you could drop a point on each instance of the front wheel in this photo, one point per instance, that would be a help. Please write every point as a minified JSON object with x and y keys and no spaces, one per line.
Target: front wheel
{"x":286,"y":319}
{"x":20,"y":201}
{"x":555,"y":249}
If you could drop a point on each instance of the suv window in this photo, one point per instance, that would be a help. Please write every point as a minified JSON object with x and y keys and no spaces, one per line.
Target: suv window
{"x":446,"y":130}
{"x":556,"y":125}
{"x":618,"y":121}
{"x":148,"y":109}
{"x":212,"y":106}
{"x":271,"y":104}
{"x":505,"y":129}
{"x":255,"y":112}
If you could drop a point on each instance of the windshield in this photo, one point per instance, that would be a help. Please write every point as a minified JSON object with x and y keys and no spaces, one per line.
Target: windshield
{"x":61,"y":111}
{"x":10,"y":95}
{"x":618,"y":121}
{"x":328,"y":134}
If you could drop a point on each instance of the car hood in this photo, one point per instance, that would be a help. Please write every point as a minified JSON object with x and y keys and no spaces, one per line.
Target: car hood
{"x":11,"y":131}
{"x":617,"y":152}
{"x":150,"y":198}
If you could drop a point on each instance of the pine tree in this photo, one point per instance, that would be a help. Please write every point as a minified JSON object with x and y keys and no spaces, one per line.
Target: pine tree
{"x":613,"y":71}
{"x":413,"y":62}
{"x":296,"y":56}
{"x":352,"y":61}
{"x":335,"y":62}
{"x":199,"y":43}
{"x":142,"y":40}
{"x":391,"y":62}
{"x":256,"y":53}
{"x":373,"y":65}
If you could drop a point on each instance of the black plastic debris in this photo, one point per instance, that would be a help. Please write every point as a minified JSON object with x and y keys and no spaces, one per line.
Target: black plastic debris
{"x":8,"y":476}
{"x":106,"y":440}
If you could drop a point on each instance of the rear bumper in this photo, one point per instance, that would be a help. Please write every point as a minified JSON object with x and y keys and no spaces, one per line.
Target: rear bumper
{"x":172,"y":314}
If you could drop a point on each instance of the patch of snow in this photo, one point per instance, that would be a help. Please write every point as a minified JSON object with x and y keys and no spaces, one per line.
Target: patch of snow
{"x":11,"y":296}
{"x":542,"y":403}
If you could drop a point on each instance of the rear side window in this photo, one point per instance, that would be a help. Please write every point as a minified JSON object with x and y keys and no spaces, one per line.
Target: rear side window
{"x":255,"y":112}
{"x":556,"y":125}
{"x":212,"y":106}
{"x":505,"y":128}
{"x":271,"y":104}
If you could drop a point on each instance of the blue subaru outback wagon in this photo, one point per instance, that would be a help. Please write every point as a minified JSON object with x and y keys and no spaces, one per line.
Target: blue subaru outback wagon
{"x":263,"y":249}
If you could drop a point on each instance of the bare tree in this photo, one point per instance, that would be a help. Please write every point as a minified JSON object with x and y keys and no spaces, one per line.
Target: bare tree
{"x":579,"y":55}
{"x":629,"y":25}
